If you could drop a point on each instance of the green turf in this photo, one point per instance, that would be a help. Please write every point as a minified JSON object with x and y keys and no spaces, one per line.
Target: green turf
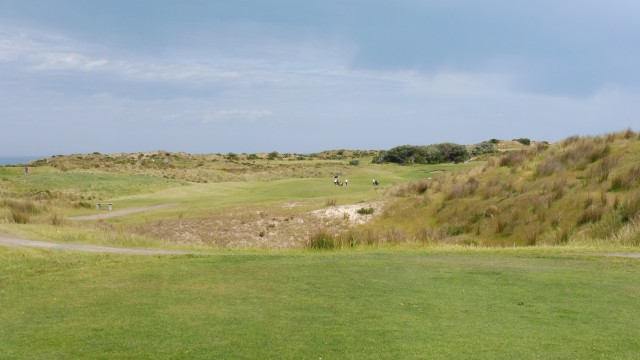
{"x":531,"y":304}
{"x":92,"y":185}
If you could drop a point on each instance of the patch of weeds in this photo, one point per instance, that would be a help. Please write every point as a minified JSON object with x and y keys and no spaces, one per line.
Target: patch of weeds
{"x":365,"y":211}
{"x":56,"y":220}
{"x":513,"y":158}
{"x":470,"y":242}
{"x":20,"y":217}
{"x":590,"y":215}
{"x":501,"y":225}
{"x":630,"y":208}
{"x":476,"y":217}
{"x":456,"y":230}
{"x":330,"y":202}
{"x":84,"y":204}
{"x":321,"y":240}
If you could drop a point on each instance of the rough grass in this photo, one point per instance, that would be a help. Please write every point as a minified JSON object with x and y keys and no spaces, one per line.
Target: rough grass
{"x":563,"y":193}
{"x":271,"y":214}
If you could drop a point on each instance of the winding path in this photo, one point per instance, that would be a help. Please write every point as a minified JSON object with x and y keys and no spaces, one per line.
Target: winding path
{"x":111,"y":214}
{"x":14,"y":241}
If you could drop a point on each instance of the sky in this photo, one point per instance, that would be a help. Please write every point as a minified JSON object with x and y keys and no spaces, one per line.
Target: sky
{"x":294,"y":76}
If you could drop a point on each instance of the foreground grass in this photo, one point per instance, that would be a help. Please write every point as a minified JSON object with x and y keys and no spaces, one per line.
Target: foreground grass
{"x":393,"y":304}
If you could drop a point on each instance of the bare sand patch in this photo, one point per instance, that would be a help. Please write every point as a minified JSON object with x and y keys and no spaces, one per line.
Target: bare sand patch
{"x":350,"y":212}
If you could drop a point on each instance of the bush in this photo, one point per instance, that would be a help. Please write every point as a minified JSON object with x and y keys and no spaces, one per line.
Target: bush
{"x":321,"y":240}
{"x":366,"y":211}
{"x":354,"y":162}
{"x":523,"y":141}
{"x":431,"y":154}
{"x":485,"y":147}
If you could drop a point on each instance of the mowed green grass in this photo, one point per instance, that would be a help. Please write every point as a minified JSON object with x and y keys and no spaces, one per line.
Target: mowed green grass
{"x":496,"y":304}
{"x":196,"y":200}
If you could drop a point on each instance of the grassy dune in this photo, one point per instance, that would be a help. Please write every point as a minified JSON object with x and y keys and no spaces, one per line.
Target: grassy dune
{"x":260,"y":195}
{"x":433,"y":274}
{"x":579,"y":191}
{"x":360,"y":305}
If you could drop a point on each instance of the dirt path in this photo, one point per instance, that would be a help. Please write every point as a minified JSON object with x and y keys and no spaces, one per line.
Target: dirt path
{"x":14,"y":241}
{"x":631,"y":255}
{"x":110,"y":214}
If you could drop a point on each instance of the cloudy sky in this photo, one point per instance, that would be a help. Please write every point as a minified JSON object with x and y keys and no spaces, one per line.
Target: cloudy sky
{"x":202,"y":76}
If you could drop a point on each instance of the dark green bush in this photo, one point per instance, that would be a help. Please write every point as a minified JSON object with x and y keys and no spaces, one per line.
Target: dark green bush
{"x":366,"y":211}
{"x":431,"y":154}
{"x":484,"y":147}
{"x":523,"y":141}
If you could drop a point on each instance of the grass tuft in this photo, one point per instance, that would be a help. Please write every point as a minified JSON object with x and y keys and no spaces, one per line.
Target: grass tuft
{"x":321,"y":240}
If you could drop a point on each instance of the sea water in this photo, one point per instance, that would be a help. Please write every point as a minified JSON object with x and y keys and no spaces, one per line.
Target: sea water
{"x":17,"y":160}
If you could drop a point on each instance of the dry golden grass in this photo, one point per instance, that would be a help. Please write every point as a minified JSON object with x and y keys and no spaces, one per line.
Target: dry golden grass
{"x":581,"y":189}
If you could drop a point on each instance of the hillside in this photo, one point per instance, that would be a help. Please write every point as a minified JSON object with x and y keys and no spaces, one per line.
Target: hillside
{"x":577,"y":191}
{"x":203,"y":168}
{"x":580,"y":190}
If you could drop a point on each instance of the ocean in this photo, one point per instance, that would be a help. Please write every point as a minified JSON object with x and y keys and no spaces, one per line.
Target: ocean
{"x":18,"y":160}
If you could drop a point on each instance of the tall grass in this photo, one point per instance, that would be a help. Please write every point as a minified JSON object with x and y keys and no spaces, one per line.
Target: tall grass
{"x":579,"y":189}
{"x":21,"y":210}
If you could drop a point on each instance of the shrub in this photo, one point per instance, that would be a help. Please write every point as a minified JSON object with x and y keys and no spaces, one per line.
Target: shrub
{"x":485,"y":147}
{"x":321,"y":240}
{"x":272,"y":155}
{"x":523,"y":141}
{"x":354,"y":162}
{"x":84,"y":204}
{"x":431,"y":154}
{"x":366,"y":211}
